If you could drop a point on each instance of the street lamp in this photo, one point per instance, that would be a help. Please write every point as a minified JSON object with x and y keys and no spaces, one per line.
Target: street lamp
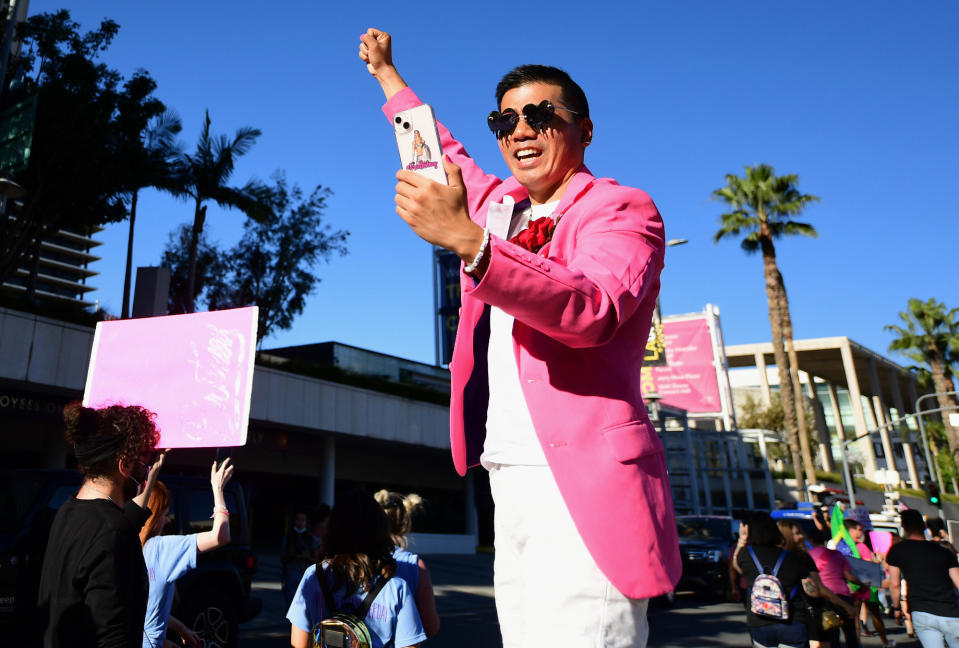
{"x":657,"y":327}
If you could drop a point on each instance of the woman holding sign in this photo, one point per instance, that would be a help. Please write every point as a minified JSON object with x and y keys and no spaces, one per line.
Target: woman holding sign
{"x":170,"y":557}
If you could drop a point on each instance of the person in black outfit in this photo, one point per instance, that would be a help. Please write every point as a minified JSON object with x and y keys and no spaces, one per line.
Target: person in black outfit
{"x":933,"y":575}
{"x":796,"y":575}
{"x":93,"y":584}
{"x":298,"y":550}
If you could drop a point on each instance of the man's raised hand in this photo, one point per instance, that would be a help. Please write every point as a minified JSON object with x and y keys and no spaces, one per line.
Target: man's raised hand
{"x":376,"y":50}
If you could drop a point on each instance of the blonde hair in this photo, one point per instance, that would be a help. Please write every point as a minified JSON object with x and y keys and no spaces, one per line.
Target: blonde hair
{"x":399,"y":510}
{"x":159,"y":501}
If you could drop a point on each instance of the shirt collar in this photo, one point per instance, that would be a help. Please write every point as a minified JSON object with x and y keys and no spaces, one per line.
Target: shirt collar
{"x":580,"y":180}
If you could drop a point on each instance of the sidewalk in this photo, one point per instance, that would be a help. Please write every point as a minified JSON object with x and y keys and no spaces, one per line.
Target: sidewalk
{"x":464,"y":597}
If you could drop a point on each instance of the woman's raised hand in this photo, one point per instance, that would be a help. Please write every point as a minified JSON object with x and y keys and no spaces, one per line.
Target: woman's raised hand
{"x":219,"y":476}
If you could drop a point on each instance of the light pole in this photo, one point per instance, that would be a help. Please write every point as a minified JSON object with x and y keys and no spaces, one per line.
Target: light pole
{"x":847,"y":475}
{"x":933,"y":468}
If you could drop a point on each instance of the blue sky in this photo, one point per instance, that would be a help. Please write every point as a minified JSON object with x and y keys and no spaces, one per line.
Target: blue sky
{"x":859,"y":99}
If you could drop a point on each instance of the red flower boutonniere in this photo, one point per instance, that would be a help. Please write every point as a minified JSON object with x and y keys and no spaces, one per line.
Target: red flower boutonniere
{"x":537,"y":234}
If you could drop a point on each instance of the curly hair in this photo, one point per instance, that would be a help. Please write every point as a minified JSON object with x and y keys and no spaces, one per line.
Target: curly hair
{"x":102,"y":437}
{"x":399,"y":509}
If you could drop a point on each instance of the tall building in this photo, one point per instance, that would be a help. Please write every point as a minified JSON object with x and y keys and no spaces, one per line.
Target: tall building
{"x":63,"y":268}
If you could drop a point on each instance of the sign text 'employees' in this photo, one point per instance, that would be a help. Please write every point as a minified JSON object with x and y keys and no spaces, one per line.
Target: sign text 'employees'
{"x":14,"y":403}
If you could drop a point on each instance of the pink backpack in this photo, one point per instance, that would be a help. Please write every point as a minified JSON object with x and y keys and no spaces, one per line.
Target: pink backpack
{"x":767,"y":596}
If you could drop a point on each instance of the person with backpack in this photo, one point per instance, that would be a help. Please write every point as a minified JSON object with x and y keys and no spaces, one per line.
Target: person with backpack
{"x":776,"y":612}
{"x":409,"y":566}
{"x":351,"y":594}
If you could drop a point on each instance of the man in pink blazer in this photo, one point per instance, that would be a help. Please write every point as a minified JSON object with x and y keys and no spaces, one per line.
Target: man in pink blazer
{"x":546,"y":368}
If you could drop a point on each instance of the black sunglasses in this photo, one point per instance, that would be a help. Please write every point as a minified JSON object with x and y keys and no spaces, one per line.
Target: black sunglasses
{"x":538,"y":116}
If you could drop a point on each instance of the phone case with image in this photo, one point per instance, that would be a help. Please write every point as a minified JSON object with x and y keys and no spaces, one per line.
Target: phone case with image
{"x":419,"y":142}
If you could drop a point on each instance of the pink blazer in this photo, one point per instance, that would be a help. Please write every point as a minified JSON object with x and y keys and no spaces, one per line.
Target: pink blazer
{"x":582,"y":310}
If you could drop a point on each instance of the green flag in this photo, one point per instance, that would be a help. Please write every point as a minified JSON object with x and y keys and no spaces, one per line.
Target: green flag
{"x":839,"y":529}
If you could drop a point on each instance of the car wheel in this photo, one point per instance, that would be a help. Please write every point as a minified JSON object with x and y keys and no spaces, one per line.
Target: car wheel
{"x":213,"y":616}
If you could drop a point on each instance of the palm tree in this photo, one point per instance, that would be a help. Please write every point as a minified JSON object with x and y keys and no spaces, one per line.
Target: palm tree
{"x":153,"y":169}
{"x":762,"y":205}
{"x":931,"y":337}
{"x":204,"y":175}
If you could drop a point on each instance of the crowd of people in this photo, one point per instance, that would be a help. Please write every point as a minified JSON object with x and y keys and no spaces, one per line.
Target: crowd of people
{"x":109,"y":573}
{"x":801,"y":588}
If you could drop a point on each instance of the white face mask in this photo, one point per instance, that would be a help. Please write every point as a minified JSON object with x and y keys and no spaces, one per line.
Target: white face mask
{"x":299,"y":529}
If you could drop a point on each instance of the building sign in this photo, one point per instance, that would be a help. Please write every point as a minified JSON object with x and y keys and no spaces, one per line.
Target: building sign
{"x":194,"y":371}
{"x":448,"y":302}
{"x":655,"y":355}
{"x":688,"y":380}
{"x":18,"y":403}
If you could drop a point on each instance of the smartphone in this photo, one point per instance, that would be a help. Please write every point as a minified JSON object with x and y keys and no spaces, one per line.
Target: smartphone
{"x":419,"y":142}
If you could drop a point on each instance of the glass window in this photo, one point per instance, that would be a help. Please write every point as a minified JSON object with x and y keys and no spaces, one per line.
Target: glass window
{"x":16,"y":496}
{"x":200,"y":508}
{"x":699,"y":527}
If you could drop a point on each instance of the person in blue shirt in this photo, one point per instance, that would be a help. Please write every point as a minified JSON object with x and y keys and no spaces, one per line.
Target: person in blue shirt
{"x":409,"y":566}
{"x":357,"y":553}
{"x":170,"y":557}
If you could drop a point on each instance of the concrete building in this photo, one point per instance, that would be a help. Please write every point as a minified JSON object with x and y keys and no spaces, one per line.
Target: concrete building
{"x":854,"y":392}
{"x":309,"y":437}
{"x":63,"y":269}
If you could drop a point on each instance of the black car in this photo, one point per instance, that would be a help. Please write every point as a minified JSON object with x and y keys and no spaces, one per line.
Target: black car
{"x":212,"y":599}
{"x":705,"y":544}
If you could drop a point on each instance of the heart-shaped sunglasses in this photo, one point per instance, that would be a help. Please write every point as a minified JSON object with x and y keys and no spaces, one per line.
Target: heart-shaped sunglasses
{"x":538,"y":116}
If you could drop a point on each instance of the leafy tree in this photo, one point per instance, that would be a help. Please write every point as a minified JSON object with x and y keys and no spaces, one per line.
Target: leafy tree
{"x":762,"y":206}
{"x":204,"y":175}
{"x":152,"y":156}
{"x":930,"y":336}
{"x":273,"y":265}
{"x":754,"y":414}
{"x":209,"y":264}
{"x":76,"y":173}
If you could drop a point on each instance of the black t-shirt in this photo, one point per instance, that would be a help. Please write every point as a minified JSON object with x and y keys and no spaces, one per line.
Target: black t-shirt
{"x":796,"y":566}
{"x":925,"y":565}
{"x":93,"y":586}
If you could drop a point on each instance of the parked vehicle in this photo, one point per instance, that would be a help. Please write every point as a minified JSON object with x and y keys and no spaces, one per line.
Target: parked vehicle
{"x":213,"y":599}
{"x":705,"y":544}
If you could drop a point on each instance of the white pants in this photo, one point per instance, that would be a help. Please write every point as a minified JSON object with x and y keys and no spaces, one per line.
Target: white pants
{"x":549,"y":591}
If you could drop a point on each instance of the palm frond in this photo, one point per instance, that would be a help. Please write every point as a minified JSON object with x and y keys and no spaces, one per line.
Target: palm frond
{"x":788,"y":228}
{"x":752,"y":243}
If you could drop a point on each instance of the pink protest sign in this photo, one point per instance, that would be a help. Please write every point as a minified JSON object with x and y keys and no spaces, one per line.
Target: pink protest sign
{"x":689,"y":379}
{"x":881,"y":541}
{"x":194,"y":371}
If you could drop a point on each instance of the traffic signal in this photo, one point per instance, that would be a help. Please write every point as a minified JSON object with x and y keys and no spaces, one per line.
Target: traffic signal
{"x":932,"y":494}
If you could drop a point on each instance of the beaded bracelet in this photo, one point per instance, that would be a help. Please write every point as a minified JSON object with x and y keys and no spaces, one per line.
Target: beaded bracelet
{"x":220,"y":509}
{"x":479,"y":255}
